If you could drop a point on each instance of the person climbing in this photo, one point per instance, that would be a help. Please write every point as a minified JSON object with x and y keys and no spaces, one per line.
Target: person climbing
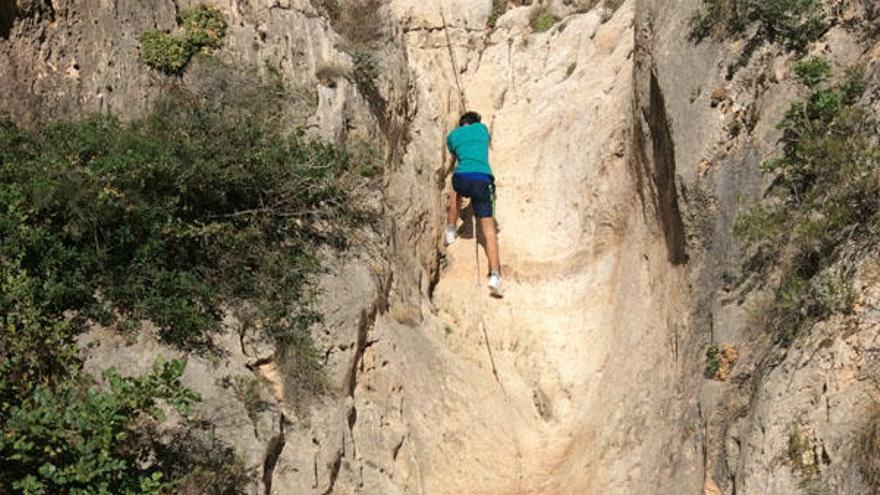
{"x":473,"y":178}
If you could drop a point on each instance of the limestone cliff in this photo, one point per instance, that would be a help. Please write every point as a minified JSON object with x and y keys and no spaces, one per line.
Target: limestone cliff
{"x":619,"y":179}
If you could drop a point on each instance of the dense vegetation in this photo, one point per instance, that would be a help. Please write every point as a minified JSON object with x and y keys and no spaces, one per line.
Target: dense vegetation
{"x":203,"y":29}
{"x":823,"y":203}
{"x":792,"y":23}
{"x":203,"y":206}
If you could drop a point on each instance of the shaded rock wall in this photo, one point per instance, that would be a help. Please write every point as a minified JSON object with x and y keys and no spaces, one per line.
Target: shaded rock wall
{"x":818,"y":391}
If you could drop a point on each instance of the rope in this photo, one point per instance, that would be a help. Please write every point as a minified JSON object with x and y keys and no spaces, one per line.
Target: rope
{"x":462,"y":101}
{"x":477,"y":250}
{"x":483,"y":325}
{"x":485,"y":328}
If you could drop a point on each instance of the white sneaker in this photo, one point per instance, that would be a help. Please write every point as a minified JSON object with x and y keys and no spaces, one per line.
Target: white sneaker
{"x":495,"y":284}
{"x":450,"y":234}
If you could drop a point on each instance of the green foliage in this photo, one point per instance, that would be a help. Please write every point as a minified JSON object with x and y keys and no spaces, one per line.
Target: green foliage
{"x":168,"y":217}
{"x":164,"y":52}
{"x":812,"y":71}
{"x":792,"y":23}
{"x":204,"y":28}
{"x":825,"y":196}
{"x":720,"y":361}
{"x":366,"y":68}
{"x":365,"y":75}
{"x":543,"y":20}
{"x":499,"y":7}
{"x":77,"y":439}
{"x":35,"y":349}
{"x":713,"y":361}
{"x":201,"y":207}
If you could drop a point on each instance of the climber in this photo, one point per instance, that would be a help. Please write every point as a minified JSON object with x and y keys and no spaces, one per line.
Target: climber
{"x":469,"y":145}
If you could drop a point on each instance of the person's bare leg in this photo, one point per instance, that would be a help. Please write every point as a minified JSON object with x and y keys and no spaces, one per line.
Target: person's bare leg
{"x":487,"y":225}
{"x":454,"y":210}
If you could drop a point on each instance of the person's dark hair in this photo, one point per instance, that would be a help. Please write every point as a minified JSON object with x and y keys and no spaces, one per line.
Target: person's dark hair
{"x":469,"y":118}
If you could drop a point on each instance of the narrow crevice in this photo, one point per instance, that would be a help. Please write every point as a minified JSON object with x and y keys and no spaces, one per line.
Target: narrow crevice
{"x":273,"y":453}
{"x":352,"y":420}
{"x":663,"y":147}
{"x":8,"y":14}
{"x":396,"y":450}
{"x":654,"y":164}
{"x":334,"y":472}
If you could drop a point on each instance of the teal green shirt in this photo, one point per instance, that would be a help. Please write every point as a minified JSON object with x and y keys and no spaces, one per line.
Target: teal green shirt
{"x":470,"y":144}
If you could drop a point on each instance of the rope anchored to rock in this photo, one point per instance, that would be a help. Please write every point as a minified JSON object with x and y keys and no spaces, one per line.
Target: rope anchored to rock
{"x":462,"y":101}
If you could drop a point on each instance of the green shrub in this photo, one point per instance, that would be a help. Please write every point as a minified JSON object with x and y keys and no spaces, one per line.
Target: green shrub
{"x":76,"y":439}
{"x":812,"y":71}
{"x":203,"y":26}
{"x":792,"y":23}
{"x":203,"y":29}
{"x":164,"y":52}
{"x":201,"y":206}
{"x":720,"y":361}
{"x":543,"y":20}
{"x":713,"y":361}
{"x":825,"y":197}
{"x":170,"y":216}
{"x":365,"y":75}
{"x":366,"y":68}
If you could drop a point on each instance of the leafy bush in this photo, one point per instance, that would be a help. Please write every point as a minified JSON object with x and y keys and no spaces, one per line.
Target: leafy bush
{"x":76,"y":439}
{"x":543,"y":20}
{"x":720,"y":361}
{"x":825,"y":196}
{"x":166,"y":218}
{"x":792,"y":23}
{"x":203,"y":26}
{"x":366,"y":68}
{"x":203,"y":29}
{"x":200,"y":207}
{"x":812,"y":71}
{"x":165,"y":52}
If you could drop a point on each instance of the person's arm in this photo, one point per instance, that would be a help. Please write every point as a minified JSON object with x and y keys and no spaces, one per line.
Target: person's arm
{"x":452,"y":159}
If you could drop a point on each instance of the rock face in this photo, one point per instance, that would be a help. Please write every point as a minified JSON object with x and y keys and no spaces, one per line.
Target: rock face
{"x":512,"y":396}
{"x":789,"y":419}
{"x":618,"y":182}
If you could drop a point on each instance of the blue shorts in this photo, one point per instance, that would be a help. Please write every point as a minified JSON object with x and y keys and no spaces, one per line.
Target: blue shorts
{"x":480,"y":192}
